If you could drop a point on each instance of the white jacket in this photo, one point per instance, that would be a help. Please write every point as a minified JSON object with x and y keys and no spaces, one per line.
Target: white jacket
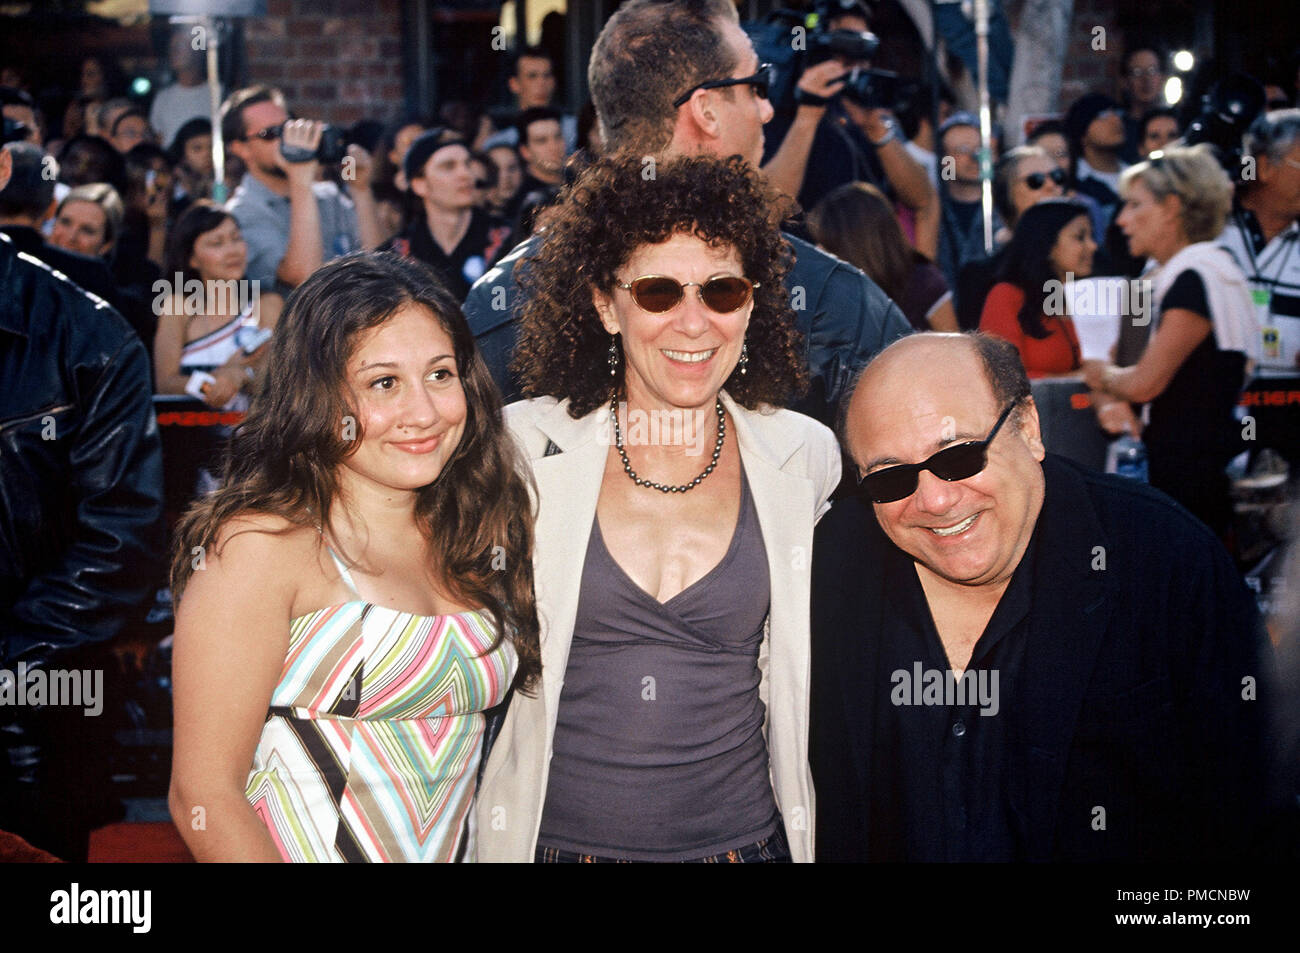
{"x":792,"y":463}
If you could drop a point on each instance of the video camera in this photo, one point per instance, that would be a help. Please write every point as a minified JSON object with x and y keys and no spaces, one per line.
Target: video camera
{"x":869,"y":88}
{"x":1227,"y":110}
{"x":332,"y":148}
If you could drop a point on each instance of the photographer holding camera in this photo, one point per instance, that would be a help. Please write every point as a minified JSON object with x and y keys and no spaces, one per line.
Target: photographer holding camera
{"x":292,"y":222}
{"x":844,"y":115}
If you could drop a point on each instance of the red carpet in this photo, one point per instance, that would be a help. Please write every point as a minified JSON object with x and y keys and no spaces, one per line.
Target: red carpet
{"x":154,"y":842}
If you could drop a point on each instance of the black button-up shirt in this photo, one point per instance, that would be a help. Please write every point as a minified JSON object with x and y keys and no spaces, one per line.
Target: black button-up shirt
{"x":954,"y":804}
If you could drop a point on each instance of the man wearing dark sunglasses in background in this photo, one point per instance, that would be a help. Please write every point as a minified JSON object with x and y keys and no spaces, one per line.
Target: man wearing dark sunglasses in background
{"x":292,"y":222}
{"x":649,"y":56}
{"x":1016,"y":658}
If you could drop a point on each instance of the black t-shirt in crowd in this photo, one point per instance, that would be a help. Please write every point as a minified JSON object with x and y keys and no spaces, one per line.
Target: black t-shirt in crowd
{"x":1193,"y":433}
{"x":486,"y":240}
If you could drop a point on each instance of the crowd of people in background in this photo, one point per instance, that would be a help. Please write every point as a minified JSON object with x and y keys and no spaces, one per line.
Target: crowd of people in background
{"x":883,"y":207}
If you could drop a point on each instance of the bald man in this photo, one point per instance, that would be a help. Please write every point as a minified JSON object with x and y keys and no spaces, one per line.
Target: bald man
{"x":1015,"y":658}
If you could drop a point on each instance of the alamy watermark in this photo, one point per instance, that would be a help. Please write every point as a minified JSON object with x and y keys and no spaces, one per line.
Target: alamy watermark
{"x":78,"y":906}
{"x":1115,"y":297}
{"x":932,"y":686}
{"x":214,"y":296}
{"x":695,"y":430}
{"x":75,"y":688}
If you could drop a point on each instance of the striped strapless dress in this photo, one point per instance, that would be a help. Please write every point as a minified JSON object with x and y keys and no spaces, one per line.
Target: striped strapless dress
{"x":372,"y":742}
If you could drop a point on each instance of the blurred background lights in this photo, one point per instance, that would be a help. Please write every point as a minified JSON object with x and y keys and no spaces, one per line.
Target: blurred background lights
{"x":140,"y":86}
{"x":1173,"y":90}
{"x":1184,"y":61}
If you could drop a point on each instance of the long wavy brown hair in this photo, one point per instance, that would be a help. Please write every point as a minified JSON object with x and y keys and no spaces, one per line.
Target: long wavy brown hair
{"x":618,"y":205}
{"x":285,"y":456}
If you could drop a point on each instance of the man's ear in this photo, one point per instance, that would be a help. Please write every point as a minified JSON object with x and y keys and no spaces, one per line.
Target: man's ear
{"x":6,"y":167}
{"x":419,"y":188}
{"x":1263,"y":168}
{"x":1030,"y":428}
{"x":513,"y":83}
{"x":605,"y":310}
{"x":525,"y":154}
{"x":239,"y":149}
{"x":701,"y":110}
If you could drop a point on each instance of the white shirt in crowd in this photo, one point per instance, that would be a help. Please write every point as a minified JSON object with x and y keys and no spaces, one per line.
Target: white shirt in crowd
{"x":1111,"y":179}
{"x":1273,"y":273}
{"x":174,"y":106}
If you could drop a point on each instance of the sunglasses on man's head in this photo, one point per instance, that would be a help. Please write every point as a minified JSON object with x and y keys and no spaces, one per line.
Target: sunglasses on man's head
{"x":659,"y":293}
{"x":1036,"y":180}
{"x":761,"y":81}
{"x":949,"y":464}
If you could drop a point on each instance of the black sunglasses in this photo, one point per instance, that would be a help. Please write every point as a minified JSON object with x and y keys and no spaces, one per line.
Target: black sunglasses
{"x":1036,"y":180}
{"x":951,"y":463}
{"x":761,"y":81}
{"x":269,"y":134}
{"x":659,"y":293}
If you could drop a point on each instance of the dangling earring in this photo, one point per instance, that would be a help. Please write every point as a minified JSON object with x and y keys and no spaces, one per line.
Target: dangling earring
{"x":744,"y":357}
{"x":613,"y":355}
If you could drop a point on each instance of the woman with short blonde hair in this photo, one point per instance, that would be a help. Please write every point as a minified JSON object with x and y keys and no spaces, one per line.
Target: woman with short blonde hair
{"x":1205,"y":336}
{"x":1193,"y":174}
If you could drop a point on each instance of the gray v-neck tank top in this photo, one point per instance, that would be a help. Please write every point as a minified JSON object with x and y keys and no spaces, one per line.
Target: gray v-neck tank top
{"x":659,"y":752}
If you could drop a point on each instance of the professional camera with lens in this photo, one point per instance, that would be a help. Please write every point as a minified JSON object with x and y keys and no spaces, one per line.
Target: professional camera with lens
{"x":869,"y":88}
{"x":1227,"y":110}
{"x":332,"y":148}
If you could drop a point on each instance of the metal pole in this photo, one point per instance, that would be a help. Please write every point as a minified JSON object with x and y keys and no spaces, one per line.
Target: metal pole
{"x":986,"y":121}
{"x":219,"y":190}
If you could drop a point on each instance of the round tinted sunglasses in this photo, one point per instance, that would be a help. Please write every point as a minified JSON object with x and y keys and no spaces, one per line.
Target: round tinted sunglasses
{"x":1036,"y":180}
{"x":950,"y":464}
{"x":659,"y":293}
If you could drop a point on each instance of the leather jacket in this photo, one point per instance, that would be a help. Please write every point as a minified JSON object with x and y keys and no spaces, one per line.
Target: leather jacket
{"x":80,"y":466}
{"x":80,"y":526}
{"x":843,"y":315}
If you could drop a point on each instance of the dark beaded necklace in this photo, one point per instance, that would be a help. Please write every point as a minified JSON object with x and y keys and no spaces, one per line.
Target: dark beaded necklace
{"x":627,"y":465}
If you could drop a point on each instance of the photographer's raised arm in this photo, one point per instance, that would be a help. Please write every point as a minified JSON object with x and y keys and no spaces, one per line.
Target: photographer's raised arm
{"x":785,"y":170}
{"x":305,"y":252}
{"x":908,"y":177}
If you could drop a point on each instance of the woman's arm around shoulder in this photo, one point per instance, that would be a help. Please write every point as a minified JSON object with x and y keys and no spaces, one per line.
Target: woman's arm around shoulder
{"x":232,"y":633}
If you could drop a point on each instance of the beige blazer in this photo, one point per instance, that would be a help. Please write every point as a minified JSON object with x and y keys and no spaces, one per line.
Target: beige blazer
{"x":793,"y":465}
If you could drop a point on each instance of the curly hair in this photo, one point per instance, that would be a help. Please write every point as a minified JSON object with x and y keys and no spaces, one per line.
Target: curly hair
{"x":285,"y":456}
{"x":618,"y":205}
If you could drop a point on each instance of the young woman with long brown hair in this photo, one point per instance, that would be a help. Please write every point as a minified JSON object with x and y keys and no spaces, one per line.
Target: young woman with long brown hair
{"x":359,"y":590}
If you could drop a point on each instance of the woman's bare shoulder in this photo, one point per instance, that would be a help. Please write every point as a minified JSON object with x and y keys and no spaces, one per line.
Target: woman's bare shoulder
{"x":256,"y":536}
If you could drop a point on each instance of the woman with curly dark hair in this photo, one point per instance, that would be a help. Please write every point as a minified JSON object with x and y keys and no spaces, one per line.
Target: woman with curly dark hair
{"x":676,"y":506}
{"x":358,"y":592}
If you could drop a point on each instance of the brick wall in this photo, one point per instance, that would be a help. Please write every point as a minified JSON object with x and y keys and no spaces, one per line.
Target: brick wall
{"x":337,"y":60}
